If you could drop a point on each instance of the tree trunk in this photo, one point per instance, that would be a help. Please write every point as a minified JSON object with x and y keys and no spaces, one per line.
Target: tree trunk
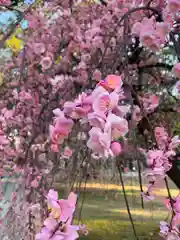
{"x":13,"y":214}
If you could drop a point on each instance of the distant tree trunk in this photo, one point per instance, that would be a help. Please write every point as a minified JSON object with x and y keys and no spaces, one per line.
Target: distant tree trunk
{"x":13,"y":215}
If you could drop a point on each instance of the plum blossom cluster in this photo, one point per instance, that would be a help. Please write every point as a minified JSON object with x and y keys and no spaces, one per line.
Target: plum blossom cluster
{"x":63,"y":43}
{"x":160,"y":160}
{"x":153,"y":34}
{"x":57,"y":226}
{"x":102,"y":111}
{"x":166,"y":229}
{"x":150,"y":102}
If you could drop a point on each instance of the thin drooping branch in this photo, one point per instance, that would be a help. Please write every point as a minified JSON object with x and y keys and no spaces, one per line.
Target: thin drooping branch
{"x":126,"y":200}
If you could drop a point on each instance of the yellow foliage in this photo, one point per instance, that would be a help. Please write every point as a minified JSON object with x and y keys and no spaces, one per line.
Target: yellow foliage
{"x":58,"y":59}
{"x":1,"y":78}
{"x":14,"y":44}
{"x":87,"y":2}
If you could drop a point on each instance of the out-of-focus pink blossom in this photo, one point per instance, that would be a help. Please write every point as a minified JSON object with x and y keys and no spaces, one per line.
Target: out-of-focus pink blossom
{"x":147,"y":196}
{"x":54,"y":147}
{"x":161,"y":137}
{"x":100,"y":142}
{"x":152,"y":34}
{"x":67,"y":153}
{"x":34,"y":183}
{"x":119,"y":126}
{"x":52,"y":198}
{"x":164,"y":228}
{"x":79,"y":108}
{"x":150,"y":102}
{"x":97,"y":119}
{"x":136,"y":114}
{"x":176,"y":70}
{"x":114,"y":81}
{"x":97,"y":75}
{"x":116,"y":148}
{"x":5,"y":2}
{"x":61,"y":129}
{"x":3,"y":140}
{"x":46,"y":63}
{"x":38,"y":48}
{"x":173,"y":6}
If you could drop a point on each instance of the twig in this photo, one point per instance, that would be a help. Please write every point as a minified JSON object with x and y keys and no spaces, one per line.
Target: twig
{"x":126,"y":200}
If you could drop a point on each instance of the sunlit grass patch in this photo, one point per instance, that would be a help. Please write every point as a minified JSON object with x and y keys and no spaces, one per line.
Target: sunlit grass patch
{"x":107,"y":218}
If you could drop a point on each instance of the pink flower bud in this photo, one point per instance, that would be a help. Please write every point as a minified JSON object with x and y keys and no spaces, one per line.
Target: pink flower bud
{"x":34,"y":183}
{"x":116,"y":148}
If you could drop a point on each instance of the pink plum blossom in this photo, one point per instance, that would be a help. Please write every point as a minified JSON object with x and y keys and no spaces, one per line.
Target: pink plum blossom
{"x":5,"y":2}
{"x":79,"y":108}
{"x":150,"y":102}
{"x":97,"y":119}
{"x":116,"y":148}
{"x":67,"y":153}
{"x":114,"y":82}
{"x":34,"y":183}
{"x":46,"y":63}
{"x":100,"y":142}
{"x":61,"y":129}
{"x":39,"y":48}
{"x":173,"y":6}
{"x":119,"y":125}
{"x":161,"y":137}
{"x":105,"y":102}
{"x":176,"y":70}
{"x":52,"y":198}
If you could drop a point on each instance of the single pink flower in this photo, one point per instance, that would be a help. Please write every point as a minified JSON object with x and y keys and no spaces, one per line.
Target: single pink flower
{"x":79,"y":108}
{"x":34,"y":184}
{"x":67,"y":207}
{"x":176,"y":70}
{"x":175,"y":142}
{"x":155,"y":158}
{"x":150,"y":102}
{"x":46,"y":63}
{"x":105,"y":102}
{"x":161,"y":137}
{"x":52,"y":198}
{"x":67,"y":152}
{"x":126,"y":170}
{"x":114,"y":81}
{"x":38,"y":48}
{"x":116,"y":148}
{"x":147,"y":196}
{"x":119,"y":126}
{"x":100,"y":142}
{"x":23,"y":95}
{"x":97,"y":119}
{"x":61,"y":129}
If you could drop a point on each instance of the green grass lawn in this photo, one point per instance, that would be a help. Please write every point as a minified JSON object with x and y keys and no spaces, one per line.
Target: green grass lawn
{"x":105,"y":215}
